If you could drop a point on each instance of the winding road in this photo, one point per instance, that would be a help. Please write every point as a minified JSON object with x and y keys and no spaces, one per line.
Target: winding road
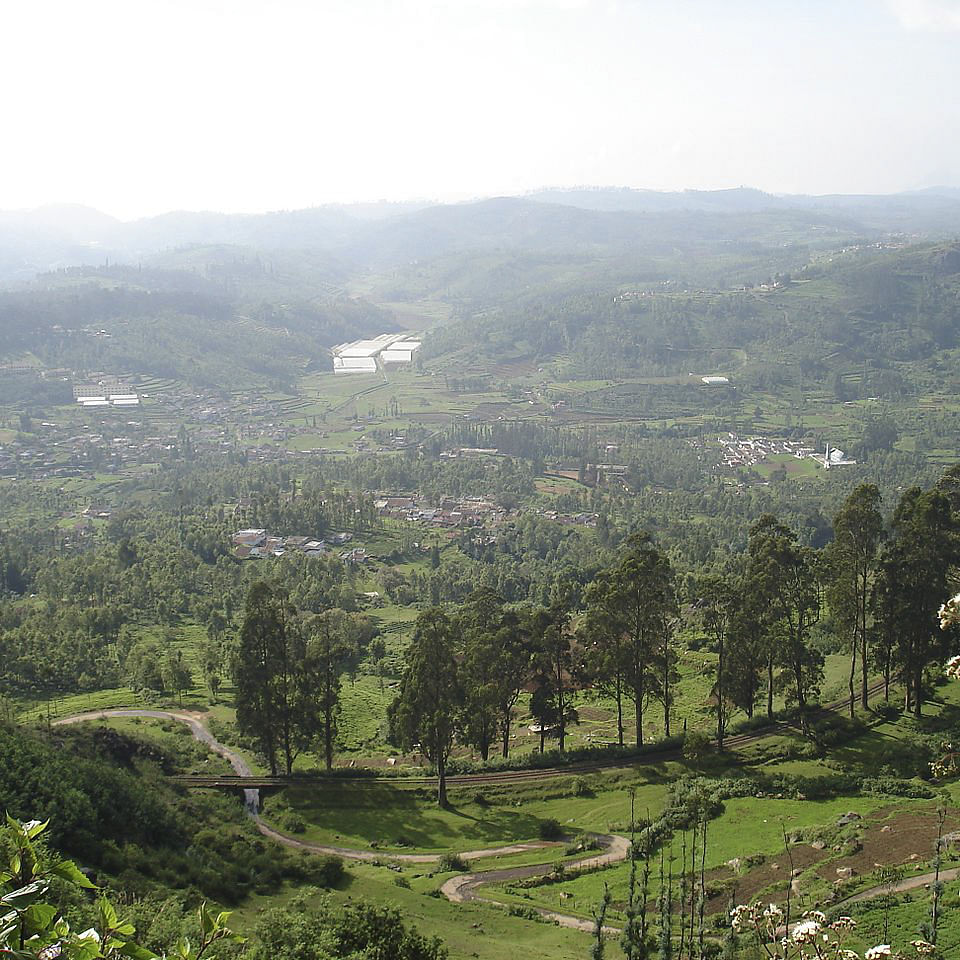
{"x":464,"y":887}
{"x":459,"y":889}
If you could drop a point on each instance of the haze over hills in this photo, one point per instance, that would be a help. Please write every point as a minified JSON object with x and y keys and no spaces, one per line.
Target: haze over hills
{"x":604,"y":220}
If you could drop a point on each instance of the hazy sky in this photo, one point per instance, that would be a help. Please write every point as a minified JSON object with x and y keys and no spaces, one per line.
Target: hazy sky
{"x":142,"y":106}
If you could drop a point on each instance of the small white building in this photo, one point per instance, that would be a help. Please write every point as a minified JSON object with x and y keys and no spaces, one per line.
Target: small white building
{"x":713,"y":381}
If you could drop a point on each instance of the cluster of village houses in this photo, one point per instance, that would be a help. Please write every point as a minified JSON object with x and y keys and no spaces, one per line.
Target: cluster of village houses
{"x":258,"y":542}
{"x":449,"y":513}
{"x":452,"y":512}
{"x":737,"y":451}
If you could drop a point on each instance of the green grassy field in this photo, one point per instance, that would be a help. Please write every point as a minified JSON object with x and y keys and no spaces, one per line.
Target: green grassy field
{"x":397,"y":817}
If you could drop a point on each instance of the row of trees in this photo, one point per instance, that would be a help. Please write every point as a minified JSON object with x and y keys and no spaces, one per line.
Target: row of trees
{"x":288,"y":672}
{"x":881,"y":586}
{"x":465,"y":673}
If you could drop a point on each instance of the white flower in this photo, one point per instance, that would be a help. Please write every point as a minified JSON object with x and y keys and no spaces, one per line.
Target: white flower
{"x":878,"y":952}
{"x":949,"y":613}
{"x":90,"y":934}
{"x":739,"y":917}
{"x":805,"y":932}
{"x":773,"y":912}
{"x":922,"y":947}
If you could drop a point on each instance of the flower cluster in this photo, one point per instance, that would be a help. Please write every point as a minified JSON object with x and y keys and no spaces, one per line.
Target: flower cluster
{"x":949,"y":612}
{"x":948,"y":763}
{"x":812,"y":938}
{"x":953,"y":668}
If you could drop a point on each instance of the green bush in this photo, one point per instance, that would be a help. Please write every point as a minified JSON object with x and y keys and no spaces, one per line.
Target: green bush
{"x":550,"y":829}
{"x":580,"y":788}
{"x":452,"y":862}
{"x":525,"y":913}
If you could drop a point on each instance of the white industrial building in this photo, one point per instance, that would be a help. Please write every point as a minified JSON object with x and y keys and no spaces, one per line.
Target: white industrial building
{"x":402,"y":351}
{"x":367,"y":356}
{"x":354,"y":364}
{"x":110,"y":391}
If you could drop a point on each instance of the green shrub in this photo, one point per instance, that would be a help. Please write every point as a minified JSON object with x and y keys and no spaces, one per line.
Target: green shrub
{"x":525,"y":913}
{"x":556,"y":758}
{"x":294,"y":823}
{"x":550,"y":829}
{"x":580,"y":788}
{"x":452,"y":862}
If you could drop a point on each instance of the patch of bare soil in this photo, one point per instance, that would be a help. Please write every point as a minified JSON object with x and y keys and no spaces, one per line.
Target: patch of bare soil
{"x":747,"y":884}
{"x":891,"y":836}
{"x":430,"y":417}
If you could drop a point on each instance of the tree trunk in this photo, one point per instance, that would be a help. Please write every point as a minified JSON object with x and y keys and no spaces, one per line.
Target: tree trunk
{"x":853,"y":673}
{"x":506,"y":734}
{"x":442,"y":781}
{"x":638,"y":704}
{"x":721,"y":704}
{"x":666,"y":690}
{"x":328,"y":737}
{"x":619,"y":709}
{"x":801,"y":699}
{"x":770,"y":688}
{"x":864,"y":694}
{"x":561,"y":718}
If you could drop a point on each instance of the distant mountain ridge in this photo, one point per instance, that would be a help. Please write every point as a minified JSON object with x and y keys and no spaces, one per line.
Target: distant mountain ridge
{"x":601,"y":221}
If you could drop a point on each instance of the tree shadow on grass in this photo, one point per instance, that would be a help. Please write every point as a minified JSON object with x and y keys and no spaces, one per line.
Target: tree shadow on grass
{"x":389,"y":816}
{"x":868,"y":752}
{"x":459,"y":812}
